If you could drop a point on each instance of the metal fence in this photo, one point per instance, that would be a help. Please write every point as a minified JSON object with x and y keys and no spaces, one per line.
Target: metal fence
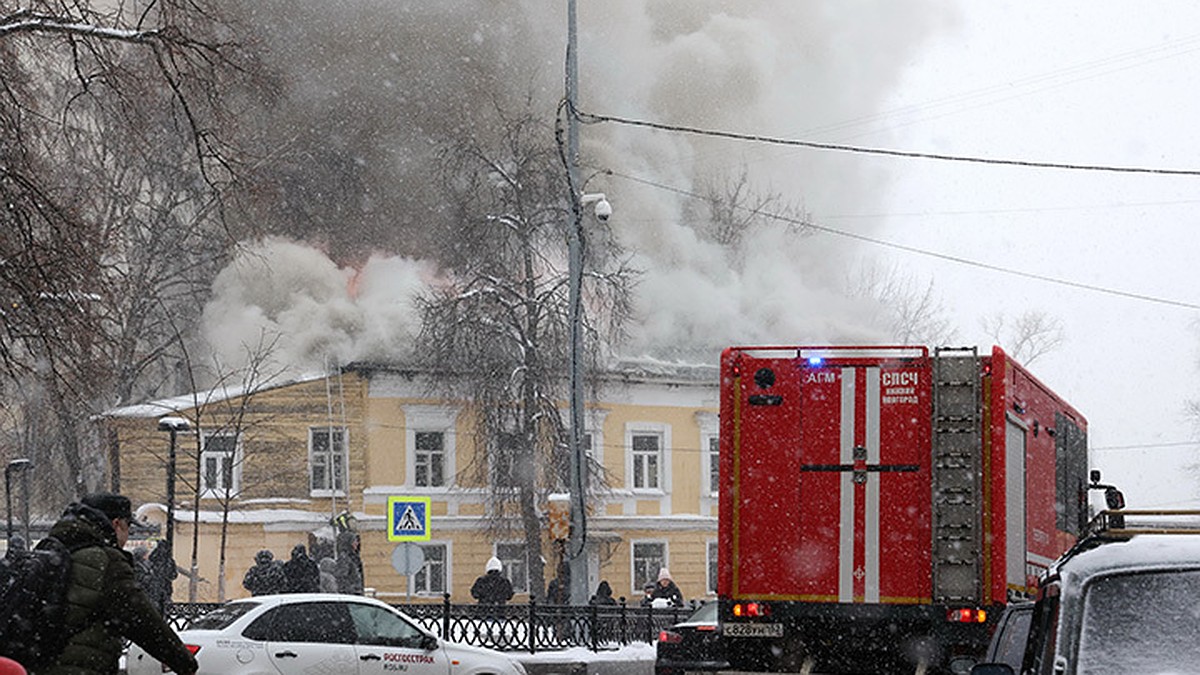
{"x":531,"y":627}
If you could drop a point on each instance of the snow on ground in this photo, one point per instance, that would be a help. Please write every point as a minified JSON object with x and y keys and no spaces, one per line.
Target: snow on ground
{"x":636,"y":658}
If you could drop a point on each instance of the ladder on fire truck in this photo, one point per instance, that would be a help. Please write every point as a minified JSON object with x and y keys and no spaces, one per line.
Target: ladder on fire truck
{"x":957,"y":458}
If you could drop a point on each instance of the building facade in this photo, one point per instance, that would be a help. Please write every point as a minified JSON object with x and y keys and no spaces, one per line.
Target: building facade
{"x":269,"y":467}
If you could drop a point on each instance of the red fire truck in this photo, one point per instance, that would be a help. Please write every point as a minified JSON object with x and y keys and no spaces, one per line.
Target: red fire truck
{"x":881,"y":505}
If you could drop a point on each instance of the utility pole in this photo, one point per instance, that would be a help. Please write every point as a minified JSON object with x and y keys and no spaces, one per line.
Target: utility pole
{"x":577,"y":540}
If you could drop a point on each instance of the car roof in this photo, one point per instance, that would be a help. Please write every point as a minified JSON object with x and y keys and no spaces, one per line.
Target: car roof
{"x":1139,"y":552}
{"x":292,"y":598}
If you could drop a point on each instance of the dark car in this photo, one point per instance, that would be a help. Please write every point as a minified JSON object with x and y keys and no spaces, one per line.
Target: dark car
{"x":694,"y":644}
{"x":1011,"y":636}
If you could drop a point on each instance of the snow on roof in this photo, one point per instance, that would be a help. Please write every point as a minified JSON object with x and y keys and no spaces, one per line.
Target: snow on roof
{"x":221,"y":392}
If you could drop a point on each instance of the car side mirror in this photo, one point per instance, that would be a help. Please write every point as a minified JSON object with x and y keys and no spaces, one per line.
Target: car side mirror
{"x":429,"y":643}
{"x":992,"y":669}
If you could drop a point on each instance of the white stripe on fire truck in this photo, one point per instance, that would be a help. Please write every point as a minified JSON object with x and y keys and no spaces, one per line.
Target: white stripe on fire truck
{"x":846,"y":453}
{"x":871,"y":561}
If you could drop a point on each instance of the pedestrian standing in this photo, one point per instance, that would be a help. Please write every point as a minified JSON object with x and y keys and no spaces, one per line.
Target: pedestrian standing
{"x":603,"y":594}
{"x":492,"y":587}
{"x":665,"y":588}
{"x":328,"y":578}
{"x":301,"y":572}
{"x":349,"y":563}
{"x":265,"y":577}
{"x":160,"y":585}
{"x":105,"y":605}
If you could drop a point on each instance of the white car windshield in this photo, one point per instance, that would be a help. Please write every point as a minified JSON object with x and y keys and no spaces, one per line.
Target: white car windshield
{"x":1142,"y":623}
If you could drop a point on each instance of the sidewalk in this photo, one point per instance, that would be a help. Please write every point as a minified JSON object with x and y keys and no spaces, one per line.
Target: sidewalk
{"x":635,"y":659}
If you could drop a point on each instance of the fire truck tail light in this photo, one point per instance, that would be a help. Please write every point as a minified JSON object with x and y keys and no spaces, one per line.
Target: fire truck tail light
{"x":751,"y":609}
{"x":966,"y":615}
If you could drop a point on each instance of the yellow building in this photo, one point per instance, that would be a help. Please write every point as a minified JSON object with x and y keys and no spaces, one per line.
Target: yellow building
{"x":291,"y":455}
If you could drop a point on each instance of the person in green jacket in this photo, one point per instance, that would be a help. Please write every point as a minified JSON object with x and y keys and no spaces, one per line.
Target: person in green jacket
{"x":105,"y":605}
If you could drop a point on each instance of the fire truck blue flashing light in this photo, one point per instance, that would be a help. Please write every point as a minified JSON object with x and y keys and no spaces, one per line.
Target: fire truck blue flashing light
{"x":815,"y":361}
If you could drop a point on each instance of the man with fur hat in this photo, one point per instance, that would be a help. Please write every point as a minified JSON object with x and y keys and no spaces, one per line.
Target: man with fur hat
{"x":105,"y":605}
{"x":492,"y":588}
{"x":265,"y":576}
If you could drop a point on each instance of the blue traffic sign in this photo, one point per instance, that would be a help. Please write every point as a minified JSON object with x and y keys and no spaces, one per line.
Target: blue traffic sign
{"x":408,"y":518}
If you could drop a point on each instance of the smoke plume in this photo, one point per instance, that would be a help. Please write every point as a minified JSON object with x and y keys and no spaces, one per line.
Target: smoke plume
{"x":373,"y":86}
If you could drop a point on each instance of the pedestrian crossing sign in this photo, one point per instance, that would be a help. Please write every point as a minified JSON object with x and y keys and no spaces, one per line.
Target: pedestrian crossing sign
{"x":408,"y":518}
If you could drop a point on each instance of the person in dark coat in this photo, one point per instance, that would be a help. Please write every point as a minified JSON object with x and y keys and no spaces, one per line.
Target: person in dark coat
{"x":557,"y":593}
{"x":301,"y":572}
{"x":648,"y":594}
{"x":105,"y":605}
{"x":160,"y":583}
{"x":603,"y":594}
{"x":328,"y":579}
{"x":492,"y":587}
{"x":666,"y":589}
{"x":349,"y":563}
{"x":266,"y":576}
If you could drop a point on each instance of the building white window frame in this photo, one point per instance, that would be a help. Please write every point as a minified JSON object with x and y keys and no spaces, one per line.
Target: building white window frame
{"x":496,"y":471}
{"x":332,"y":468}
{"x":424,"y":419}
{"x":709,"y":459}
{"x":663,"y":456}
{"x":652,"y":572}
{"x":711,"y":555}
{"x":429,"y":461}
{"x":516,"y":565}
{"x":232,"y":471}
{"x":419,"y":583}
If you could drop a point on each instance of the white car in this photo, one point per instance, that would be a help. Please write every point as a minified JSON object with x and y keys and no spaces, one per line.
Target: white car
{"x":321,"y":633}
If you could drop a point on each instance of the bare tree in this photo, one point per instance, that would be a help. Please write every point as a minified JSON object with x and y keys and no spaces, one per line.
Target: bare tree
{"x":497,"y":326}
{"x":1027,"y":337}
{"x":911,"y":312}
{"x":733,"y":207}
{"x":114,"y":162}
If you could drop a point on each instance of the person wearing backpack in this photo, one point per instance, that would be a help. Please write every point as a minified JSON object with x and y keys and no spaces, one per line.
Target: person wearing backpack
{"x":104,"y":604}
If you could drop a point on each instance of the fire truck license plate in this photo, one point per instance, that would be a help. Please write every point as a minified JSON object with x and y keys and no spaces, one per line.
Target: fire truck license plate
{"x":753,"y":629}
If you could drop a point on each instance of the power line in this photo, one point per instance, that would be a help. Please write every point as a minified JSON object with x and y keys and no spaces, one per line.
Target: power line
{"x":1148,"y":446}
{"x":592,"y":118}
{"x":931,"y":254}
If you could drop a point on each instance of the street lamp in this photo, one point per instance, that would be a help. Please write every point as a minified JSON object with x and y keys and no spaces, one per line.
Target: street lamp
{"x":22,"y":465}
{"x":174,"y":425}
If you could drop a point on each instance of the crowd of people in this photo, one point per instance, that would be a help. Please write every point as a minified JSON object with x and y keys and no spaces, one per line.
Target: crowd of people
{"x":340,"y":573}
{"x":493,"y":588}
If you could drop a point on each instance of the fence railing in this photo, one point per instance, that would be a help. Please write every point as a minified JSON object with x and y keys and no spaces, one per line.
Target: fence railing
{"x":529,"y":627}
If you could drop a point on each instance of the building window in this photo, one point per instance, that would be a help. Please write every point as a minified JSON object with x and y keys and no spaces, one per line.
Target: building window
{"x":431,"y":578}
{"x":429,"y":445}
{"x":713,"y":453}
{"x":712,"y":568}
{"x":505,"y":463}
{"x":430,"y":460}
{"x":647,"y":460}
{"x":512,"y":556}
{"x":327,"y":459}
{"x":219,"y":466}
{"x":648,"y":558}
